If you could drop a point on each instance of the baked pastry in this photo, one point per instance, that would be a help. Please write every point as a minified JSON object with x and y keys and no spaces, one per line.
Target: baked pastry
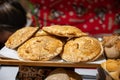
{"x":20,"y":36}
{"x":112,"y":67}
{"x":63,"y":74}
{"x":64,"y":31}
{"x":58,"y":74}
{"x":112,"y":52}
{"x":40,"y":48}
{"x":110,"y":40}
{"x":82,"y":49}
{"x":112,"y":46}
{"x":115,"y":75}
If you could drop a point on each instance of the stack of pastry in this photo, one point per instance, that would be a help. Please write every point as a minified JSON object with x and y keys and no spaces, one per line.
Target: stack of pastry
{"x":68,"y":42}
{"x":111,"y":45}
{"x":112,"y":67}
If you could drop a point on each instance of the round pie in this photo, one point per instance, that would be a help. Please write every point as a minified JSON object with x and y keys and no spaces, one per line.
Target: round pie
{"x":20,"y":36}
{"x":81,"y":49}
{"x":63,"y":74}
{"x":41,"y":48}
{"x":64,"y":31}
{"x":58,"y":74}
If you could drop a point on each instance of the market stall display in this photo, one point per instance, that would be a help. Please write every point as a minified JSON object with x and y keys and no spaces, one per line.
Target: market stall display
{"x":43,"y":43}
{"x":67,"y":42}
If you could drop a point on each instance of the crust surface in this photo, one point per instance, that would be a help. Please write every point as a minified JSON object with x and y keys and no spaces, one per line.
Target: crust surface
{"x":40,"y":48}
{"x":81,"y":49}
{"x":20,"y":36}
{"x":64,"y":31}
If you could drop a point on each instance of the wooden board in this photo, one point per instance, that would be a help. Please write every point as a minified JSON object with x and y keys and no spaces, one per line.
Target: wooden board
{"x":10,"y":57}
{"x":47,"y":63}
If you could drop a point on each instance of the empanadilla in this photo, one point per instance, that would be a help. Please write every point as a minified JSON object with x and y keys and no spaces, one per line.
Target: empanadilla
{"x":64,"y":31}
{"x":41,"y":48}
{"x":81,"y":49}
{"x":20,"y":36}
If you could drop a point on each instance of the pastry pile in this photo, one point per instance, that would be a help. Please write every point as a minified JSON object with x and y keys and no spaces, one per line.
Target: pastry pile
{"x":68,"y":42}
{"x":111,"y":46}
{"x":112,"y":67}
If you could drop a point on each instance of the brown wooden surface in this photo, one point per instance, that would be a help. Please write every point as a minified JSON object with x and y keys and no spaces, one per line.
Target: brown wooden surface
{"x":47,"y":63}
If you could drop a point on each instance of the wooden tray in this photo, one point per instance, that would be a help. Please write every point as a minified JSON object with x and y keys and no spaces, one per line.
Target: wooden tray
{"x":10,"y":57}
{"x":48,"y":63}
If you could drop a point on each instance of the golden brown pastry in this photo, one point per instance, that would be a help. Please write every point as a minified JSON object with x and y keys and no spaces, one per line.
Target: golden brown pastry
{"x":20,"y":36}
{"x":64,"y":31}
{"x":111,"y":45}
{"x":62,"y":74}
{"x":103,"y":65}
{"x":110,"y":40}
{"x":100,"y":55}
{"x":112,"y":52}
{"x":112,"y":67}
{"x":58,"y":74}
{"x":82,"y":49}
{"x":40,"y":48}
{"x":115,"y":75}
